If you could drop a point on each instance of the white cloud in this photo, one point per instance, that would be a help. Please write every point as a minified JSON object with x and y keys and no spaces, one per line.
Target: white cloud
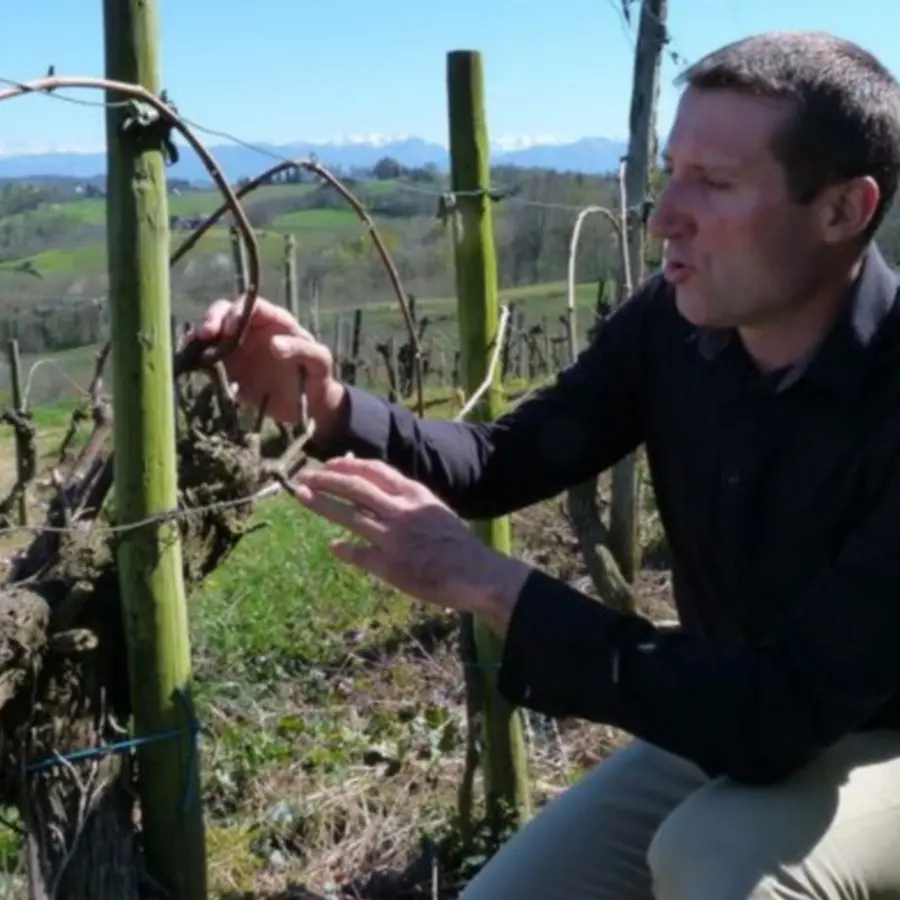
{"x":508,"y":142}
{"x":505,"y":143}
{"x":33,"y":148}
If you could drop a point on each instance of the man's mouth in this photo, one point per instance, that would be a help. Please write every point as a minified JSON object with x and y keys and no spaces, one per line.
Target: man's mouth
{"x":677,"y":272}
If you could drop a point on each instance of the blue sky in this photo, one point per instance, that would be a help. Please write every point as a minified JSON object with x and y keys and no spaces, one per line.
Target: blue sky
{"x":288,"y":69}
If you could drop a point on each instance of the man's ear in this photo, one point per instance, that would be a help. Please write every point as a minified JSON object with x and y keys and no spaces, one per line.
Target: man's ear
{"x":848,"y":208}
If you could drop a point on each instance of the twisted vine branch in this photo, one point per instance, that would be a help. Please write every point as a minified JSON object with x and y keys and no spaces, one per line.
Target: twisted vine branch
{"x":353,"y":201}
{"x":197,"y":354}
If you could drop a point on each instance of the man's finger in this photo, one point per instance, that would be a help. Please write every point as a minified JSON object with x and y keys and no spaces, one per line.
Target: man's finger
{"x":344,"y":514}
{"x":223,"y":318}
{"x":211,"y":326}
{"x":265,"y":315}
{"x":295,"y":347}
{"x":355,"y":489}
{"x":375,"y":471}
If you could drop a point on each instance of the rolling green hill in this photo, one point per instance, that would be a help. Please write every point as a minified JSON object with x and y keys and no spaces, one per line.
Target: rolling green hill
{"x":53,"y":259}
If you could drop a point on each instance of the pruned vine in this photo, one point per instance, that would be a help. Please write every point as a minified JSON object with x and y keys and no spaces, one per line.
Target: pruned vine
{"x":63,"y":667}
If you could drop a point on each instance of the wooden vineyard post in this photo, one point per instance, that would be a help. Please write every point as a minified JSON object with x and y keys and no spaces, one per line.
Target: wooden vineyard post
{"x":149,"y":557}
{"x":314,"y":325}
{"x":25,"y":452}
{"x":291,"y":297}
{"x":624,"y":539}
{"x":504,"y":765}
{"x":239,"y":260}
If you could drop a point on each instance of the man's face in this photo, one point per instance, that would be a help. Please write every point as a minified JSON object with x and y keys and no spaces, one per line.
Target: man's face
{"x":738,"y":249}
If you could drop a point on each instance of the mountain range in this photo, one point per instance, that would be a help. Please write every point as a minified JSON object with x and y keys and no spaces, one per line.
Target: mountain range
{"x":590,"y":155}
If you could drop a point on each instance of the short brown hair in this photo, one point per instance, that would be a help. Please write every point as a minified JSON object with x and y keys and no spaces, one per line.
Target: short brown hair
{"x":847,"y":107}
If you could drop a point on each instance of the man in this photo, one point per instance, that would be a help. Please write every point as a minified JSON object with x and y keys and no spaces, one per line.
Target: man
{"x":761,"y":370}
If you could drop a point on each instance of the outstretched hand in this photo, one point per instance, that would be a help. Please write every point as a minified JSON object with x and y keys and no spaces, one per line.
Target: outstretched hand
{"x":409,"y":539}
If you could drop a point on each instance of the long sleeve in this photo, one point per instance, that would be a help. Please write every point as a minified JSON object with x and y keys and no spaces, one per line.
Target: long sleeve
{"x":584,"y":422}
{"x":753,"y":713}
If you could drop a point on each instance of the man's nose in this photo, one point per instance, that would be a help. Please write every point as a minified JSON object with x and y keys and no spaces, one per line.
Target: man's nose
{"x":669,"y":219}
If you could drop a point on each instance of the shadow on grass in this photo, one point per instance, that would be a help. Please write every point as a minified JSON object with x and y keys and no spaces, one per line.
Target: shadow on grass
{"x":423,"y":879}
{"x":418,"y":640}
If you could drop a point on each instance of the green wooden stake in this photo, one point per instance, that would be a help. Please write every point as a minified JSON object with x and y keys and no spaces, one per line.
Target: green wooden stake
{"x":149,"y":557}
{"x":504,"y":763}
{"x":625,"y":501}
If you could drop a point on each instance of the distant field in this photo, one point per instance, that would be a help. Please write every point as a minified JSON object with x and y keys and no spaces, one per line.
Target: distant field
{"x":92,"y":210}
{"x":62,"y":377}
{"x":535,"y":301}
{"x":51,"y":379}
{"x":316,"y":227}
{"x":91,"y":259}
{"x":317,"y":220}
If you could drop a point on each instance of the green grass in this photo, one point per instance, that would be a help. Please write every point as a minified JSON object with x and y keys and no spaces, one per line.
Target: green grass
{"x":201,"y":203}
{"x":316,"y":220}
{"x":280,"y":611}
{"x":92,"y":258}
{"x":87,"y":259}
{"x":92,"y":210}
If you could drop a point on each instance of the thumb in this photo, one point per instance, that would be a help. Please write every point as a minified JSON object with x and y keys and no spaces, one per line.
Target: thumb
{"x":315,"y":357}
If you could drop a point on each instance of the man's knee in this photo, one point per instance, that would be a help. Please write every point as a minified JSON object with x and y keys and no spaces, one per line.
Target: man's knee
{"x":729,"y":842}
{"x":591,"y":842}
{"x":815,"y":834}
{"x":692,"y":855}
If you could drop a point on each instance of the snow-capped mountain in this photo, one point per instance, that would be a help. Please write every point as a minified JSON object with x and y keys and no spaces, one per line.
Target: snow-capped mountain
{"x":588,"y":155}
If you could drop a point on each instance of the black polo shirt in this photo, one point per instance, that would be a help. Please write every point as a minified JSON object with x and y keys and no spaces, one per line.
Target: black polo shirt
{"x":780,"y":496}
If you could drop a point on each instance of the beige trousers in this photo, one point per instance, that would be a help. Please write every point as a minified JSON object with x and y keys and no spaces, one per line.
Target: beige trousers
{"x":645,"y":824}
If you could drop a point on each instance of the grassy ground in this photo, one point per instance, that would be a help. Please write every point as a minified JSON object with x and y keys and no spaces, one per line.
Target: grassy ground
{"x":333,"y":713}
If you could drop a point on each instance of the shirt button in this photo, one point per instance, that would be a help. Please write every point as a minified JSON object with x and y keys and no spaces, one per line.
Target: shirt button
{"x":732,"y":479}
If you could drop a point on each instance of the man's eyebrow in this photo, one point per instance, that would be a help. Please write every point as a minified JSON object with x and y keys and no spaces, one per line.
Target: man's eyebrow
{"x":711,"y":165}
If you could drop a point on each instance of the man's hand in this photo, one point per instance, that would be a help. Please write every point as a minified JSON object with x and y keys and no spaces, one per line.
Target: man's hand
{"x":410,"y":539}
{"x":267,"y":360}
